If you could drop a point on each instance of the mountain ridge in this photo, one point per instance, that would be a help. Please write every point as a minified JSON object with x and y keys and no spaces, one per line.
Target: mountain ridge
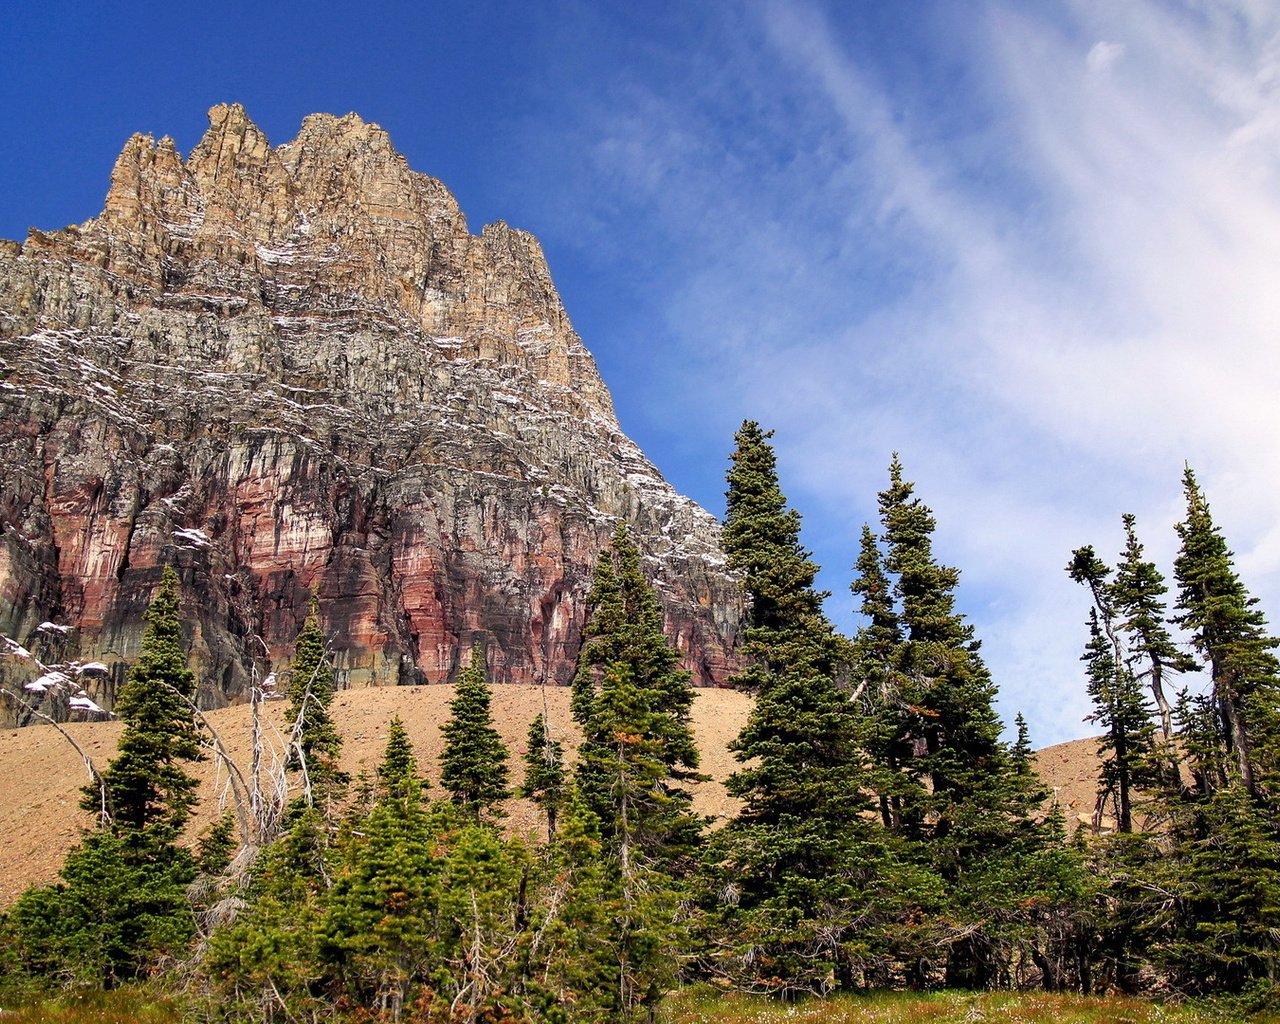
{"x":292,"y":370}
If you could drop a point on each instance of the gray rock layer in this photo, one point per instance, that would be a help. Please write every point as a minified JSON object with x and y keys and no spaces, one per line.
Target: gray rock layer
{"x":293,"y":369}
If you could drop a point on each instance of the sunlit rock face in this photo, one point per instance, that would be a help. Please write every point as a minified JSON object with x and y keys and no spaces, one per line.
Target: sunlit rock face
{"x":292,"y":369}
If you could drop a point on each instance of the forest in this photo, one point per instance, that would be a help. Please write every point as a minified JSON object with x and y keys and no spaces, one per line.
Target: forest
{"x":889,"y":838}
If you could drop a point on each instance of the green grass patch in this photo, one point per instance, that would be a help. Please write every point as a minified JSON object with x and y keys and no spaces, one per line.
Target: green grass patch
{"x":943,"y":1008}
{"x":120,"y":1006}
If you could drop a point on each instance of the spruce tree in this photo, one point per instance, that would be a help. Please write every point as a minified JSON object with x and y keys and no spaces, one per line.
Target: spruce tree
{"x":379,"y":929}
{"x":1138,"y":593}
{"x":311,"y":688}
{"x":121,"y":902}
{"x":638,"y":744}
{"x":1128,"y":748}
{"x":473,"y":766}
{"x":800,"y":864}
{"x":1230,"y":634}
{"x":637,"y":749}
{"x":148,"y":792}
{"x":545,"y":777}
{"x":972,"y":811}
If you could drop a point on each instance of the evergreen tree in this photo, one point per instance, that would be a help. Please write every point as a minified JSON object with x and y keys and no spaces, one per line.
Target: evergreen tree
{"x":800,"y":867}
{"x":880,"y":686}
{"x":972,"y":810}
{"x":264,"y":958}
{"x":786,"y":625}
{"x":638,"y":744}
{"x":379,"y":930}
{"x":634,"y":706}
{"x":1128,"y":749}
{"x":473,"y":767}
{"x":545,"y":778}
{"x":148,"y":793}
{"x":311,"y":688}
{"x":1138,"y":596}
{"x":121,"y":902}
{"x":1230,"y":634}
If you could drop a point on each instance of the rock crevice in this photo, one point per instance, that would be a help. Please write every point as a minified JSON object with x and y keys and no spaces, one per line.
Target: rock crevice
{"x":293,"y":369}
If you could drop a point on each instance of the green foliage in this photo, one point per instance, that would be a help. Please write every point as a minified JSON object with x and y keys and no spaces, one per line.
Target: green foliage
{"x":148,"y":794}
{"x":473,"y":767}
{"x":637,"y":741}
{"x":967,"y":805}
{"x":108,"y":919}
{"x":311,"y":687}
{"x":1230,"y":634}
{"x":121,"y":903}
{"x":376,"y":929}
{"x":546,"y":781}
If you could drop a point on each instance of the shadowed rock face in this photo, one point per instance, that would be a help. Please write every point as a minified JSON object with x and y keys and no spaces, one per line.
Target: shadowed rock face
{"x":292,"y":369}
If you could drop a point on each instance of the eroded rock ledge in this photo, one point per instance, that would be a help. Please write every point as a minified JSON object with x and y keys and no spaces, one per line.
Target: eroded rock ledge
{"x":293,"y":368}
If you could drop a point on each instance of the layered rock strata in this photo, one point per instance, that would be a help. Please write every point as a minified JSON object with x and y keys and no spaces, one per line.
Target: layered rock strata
{"x":293,"y":369}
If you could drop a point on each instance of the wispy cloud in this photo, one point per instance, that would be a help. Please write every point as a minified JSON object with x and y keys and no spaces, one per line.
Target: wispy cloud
{"x":1047,"y":289}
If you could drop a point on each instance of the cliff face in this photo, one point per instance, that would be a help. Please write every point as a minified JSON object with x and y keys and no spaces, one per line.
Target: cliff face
{"x":293,"y":368}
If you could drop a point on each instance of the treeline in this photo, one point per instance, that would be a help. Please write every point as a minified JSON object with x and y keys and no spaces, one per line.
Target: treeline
{"x":888,"y":836}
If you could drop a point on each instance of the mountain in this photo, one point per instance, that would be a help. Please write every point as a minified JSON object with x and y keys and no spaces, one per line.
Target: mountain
{"x":293,"y":369}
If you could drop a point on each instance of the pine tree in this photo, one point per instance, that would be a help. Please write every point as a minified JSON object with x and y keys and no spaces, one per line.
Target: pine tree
{"x":1230,"y":634}
{"x":1128,"y":748}
{"x":149,"y":795}
{"x":971,"y":810}
{"x":634,"y":704}
{"x":311,"y":688}
{"x":121,"y":902}
{"x":800,"y":868}
{"x":879,"y":684}
{"x":379,"y":930}
{"x":786,"y":625}
{"x":545,"y":778}
{"x":638,"y":743}
{"x":264,"y":960}
{"x":1138,"y":595}
{"x":473,"y":767}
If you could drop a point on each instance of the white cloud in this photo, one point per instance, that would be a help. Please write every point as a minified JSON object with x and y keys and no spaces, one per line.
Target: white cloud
{"x":1047,"y":293}
{"x":1103,"y":55}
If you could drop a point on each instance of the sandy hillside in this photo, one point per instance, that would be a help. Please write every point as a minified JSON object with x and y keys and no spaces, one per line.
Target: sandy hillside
{"x":41,"y":773}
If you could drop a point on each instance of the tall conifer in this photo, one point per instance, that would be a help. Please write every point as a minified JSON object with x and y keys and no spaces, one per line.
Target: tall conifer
{"x":473,"y":766}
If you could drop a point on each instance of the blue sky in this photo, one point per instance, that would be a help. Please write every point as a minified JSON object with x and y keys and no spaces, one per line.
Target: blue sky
{"x":1035,"y":248}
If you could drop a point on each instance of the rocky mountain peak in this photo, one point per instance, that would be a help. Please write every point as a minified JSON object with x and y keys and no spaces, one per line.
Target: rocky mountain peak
{"x":293,"y":368}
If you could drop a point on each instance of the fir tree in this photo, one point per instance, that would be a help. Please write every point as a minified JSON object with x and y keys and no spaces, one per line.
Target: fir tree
{"x":761,"y":535}
{"x":148,"y":793}
{"x":1128,"y":749}
{"x":545,"y":778}
{"x":317,"y":743}
{"x":1138,"y":596}
{"x":121,"y":902}
{"x":637,"y":740}
{"x":879,"y":686}
{"x":634,"y":705}
{"x":473,"y":767}
{"x":1230,"y":634}
{"x":971,"y":809}
{"x":800,"y":864}
{"x":379,"y":929}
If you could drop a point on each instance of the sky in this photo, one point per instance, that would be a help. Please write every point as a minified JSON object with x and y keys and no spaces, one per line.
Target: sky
{"x":1032,"y":248}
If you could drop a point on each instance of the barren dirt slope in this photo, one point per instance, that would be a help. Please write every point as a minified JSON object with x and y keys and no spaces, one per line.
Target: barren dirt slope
{"x":41,"y":774}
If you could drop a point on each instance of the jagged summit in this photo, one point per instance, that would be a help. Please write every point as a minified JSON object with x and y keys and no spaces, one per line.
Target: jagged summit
{"x":293,"y":367}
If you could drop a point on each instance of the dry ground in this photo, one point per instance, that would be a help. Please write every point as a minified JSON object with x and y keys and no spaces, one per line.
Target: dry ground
{"x":41,"y":773}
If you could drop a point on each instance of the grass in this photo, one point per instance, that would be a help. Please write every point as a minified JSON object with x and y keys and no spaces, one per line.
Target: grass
{"x":142,"y":1006}
{"x":121,"y":1006}
{"x":941,"y":1008}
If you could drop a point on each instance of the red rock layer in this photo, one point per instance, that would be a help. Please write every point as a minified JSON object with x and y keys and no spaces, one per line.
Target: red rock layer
{"x":293,"y":369}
